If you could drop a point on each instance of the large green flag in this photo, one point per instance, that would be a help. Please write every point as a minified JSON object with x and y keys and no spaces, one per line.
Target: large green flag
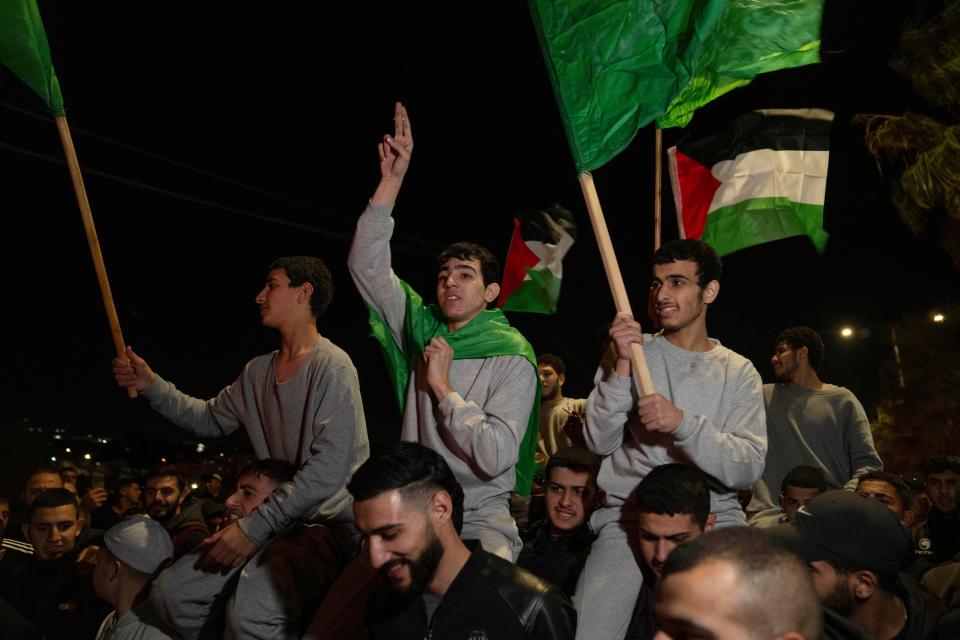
{"x":616,"y":65}
{"x":24,"y":48}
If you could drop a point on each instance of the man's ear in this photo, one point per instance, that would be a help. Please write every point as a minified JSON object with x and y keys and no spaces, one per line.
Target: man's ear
{"x":81,"y":519}
{"x":440,"y":509}
{"x":909,"y":518}
{"x":491,"y":292}
{"x":864,"y":584}
{"x":306,"y":292}
{"x":710,"y":291}
{"x":711,"y":521}
{"x":561,"y":379}
{"x":780,"y":501}
{"x":803,"y":353}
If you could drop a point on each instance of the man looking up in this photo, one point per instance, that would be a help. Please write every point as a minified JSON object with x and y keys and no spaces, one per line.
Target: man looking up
{"x":708,"y":412}
{"x":300,"y":403}
{"x":736,"y":583}
{"x":466,"y":380}
{"x":561,"y":543}
{"x":673,"y":506}
{"x":811,"y":422}
{"x":408,"y":506}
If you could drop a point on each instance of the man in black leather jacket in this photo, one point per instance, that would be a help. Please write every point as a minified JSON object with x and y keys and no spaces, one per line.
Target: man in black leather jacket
{"x":409,"y":508}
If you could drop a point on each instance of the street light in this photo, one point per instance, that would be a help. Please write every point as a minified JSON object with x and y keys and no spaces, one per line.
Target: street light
{"x":846,"y":332}
{"x":938,"y":317}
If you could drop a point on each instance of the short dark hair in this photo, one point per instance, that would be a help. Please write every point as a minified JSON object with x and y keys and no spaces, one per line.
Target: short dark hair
{"x":892,"y":479}
{"x":67,"y":467}
{"x":489,"y":265}
{"x":551,"y":360}
{"x":279,"y":470}
{"x":777,"y":593}
{"x":412,"y":469}
{"x":125,"y":482}
{"x":798,"y":337}
{"x":576,"y":459}
{"x":939,"y":464}
{"x":804,"y":477}
{"x":47,"y":471}
{"x":674,"y":489}
{"x":709,"y":266}
{"x":303,"y":269}
{"x":51,"y":499}
{"x":167,"y":472}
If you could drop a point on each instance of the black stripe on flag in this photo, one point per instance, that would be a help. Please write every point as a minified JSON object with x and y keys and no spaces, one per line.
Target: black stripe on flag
{"x":778,"y":130}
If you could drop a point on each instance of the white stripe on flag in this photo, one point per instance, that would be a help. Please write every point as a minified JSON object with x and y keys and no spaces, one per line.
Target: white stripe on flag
{"x":799,"y":176}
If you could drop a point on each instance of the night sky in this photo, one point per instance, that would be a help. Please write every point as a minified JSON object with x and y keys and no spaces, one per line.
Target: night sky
{"x":279,"y":108}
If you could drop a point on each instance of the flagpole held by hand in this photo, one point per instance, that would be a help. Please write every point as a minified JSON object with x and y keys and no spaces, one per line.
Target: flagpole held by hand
{"x":641,"y":372}
{"x":87,"y":216}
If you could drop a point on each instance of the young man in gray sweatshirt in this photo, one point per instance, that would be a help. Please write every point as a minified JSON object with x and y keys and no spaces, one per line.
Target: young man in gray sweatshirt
{"x":707,"y":412}
{"x":470,"y":403}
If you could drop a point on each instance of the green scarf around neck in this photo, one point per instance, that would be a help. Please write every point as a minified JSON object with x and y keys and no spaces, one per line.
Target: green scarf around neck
{"x":486,"y":336}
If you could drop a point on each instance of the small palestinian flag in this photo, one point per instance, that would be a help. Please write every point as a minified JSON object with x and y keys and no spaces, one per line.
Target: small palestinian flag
{"x":531,"y":277}
{"x":761,"y":180}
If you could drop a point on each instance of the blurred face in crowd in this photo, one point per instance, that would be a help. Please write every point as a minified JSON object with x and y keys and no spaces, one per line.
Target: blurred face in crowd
{"x":942,"y":488}
{"x":550,"y":381}
{"x":793,"y":498}
{"x":571,"y":496}
{"x":703,"y":603}
{"x":4,"y":516}
{"x":131,"y":492}
{"x":680,"y":302}
{"x":162,"y":497}
{"x":40,"y":482}
{"x":252,"y":489}
{"x":785,"y":360}
{"x":69,"y":475}
{"x":53,"y":531}
{"x":660,"y":534}
{"x":400,"y":541}
{"x":887,"y":494}
{"x":213,"y":486}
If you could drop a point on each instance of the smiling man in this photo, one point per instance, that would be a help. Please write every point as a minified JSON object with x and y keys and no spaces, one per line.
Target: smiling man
{"x":409,"y":506}
{"x":811,"y":422}
{"x":465,"y":379}
{"x":50,"y":590}
{"x":708,"y":412}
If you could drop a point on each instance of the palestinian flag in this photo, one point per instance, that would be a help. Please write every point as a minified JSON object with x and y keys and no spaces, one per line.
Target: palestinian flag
{"x":761,"y":180}
{"x":531,"y":277}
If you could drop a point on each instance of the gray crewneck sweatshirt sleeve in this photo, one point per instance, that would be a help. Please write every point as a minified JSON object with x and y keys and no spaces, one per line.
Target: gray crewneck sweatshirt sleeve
{"x":859,"y":443}
{"x":314,"y":420}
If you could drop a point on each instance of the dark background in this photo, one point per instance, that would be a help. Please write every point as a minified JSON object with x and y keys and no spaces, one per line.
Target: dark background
{"x":280,"y":107}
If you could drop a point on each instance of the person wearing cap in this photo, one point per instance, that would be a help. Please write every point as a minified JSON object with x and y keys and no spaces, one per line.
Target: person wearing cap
{"x":854,"y":547}
{"x":133,"y":551}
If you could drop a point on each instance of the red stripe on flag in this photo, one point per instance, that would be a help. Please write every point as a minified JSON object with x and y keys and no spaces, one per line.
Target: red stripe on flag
{"x":697,"y":186}
{"x":519,"y":259}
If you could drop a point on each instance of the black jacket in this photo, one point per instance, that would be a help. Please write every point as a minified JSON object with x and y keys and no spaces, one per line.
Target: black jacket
{"x":923,"y":610}
{"x":490,"y":598}
{"x":557,"y":559}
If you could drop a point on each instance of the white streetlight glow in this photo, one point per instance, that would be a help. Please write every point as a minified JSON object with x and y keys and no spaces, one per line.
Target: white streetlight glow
{"x":846,"y":332}
{"x":938,"y":317}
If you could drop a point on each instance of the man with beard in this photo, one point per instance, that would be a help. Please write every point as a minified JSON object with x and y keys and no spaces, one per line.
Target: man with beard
{"x":810,"y":422}
{"x":561,"y":418}
{"x":940,"y":535}
{"x":854,"y":547}
{"x":409,"y":508}
{"x":163,"y":497}
{"x":707,"y":412}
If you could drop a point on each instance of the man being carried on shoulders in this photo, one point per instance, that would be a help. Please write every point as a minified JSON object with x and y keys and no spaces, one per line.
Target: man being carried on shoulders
{"x":466,"y":380}
{"x":707,"y":412}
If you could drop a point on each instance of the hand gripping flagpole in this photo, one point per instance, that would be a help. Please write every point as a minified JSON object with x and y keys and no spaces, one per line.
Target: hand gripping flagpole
{"x":87,"y":216}
{"x":641,"y":373}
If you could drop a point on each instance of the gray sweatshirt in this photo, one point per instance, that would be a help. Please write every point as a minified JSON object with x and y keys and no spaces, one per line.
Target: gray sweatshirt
{"x":826,"y":429}
{"x":313,"y":420}
{"x":478,"y":428}
{"x":723,"y":431}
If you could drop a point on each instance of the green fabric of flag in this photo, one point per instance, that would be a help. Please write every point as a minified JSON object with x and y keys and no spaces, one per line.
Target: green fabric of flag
{"x":24,"y":49}
{"x":616,"y":65}
{"x":486,"y":336}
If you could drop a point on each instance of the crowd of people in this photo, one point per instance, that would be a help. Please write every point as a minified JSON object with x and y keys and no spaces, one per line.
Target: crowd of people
{"x":505,"y":509}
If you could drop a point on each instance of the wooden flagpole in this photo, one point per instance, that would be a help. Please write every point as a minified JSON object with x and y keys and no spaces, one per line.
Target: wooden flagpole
{"x":87,"y":216}
{"x":641,"y":372}
{"x":657,"y":187}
